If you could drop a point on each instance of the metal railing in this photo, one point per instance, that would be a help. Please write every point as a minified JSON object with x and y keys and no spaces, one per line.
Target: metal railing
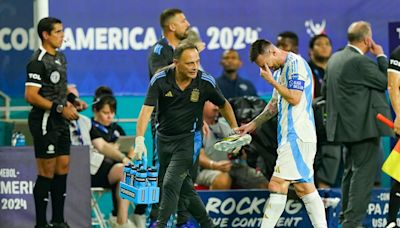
{"x":7,"y":109}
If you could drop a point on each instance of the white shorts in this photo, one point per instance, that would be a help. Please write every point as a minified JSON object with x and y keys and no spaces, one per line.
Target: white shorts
{"x":295,"y":161}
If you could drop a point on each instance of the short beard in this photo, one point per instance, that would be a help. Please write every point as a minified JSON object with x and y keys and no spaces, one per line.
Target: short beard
{"x":321,"y":59}
{"x":230,"y":71}
{"x":183,"y":36}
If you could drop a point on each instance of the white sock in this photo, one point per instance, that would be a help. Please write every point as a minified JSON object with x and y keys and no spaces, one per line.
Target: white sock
{"x":274,"y":209}
{"x":315,"y":209}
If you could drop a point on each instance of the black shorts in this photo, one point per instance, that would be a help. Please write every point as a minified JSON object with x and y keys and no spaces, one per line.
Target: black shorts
{"x":100,"y":179}
{"x":51,"y":136}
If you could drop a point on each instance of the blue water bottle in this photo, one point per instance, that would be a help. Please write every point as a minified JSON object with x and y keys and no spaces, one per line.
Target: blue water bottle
{"x":133,"y":175}
{"x":140,"y":186}
{"x":153,"y":191}
{"x":127,"y":173}
{"x":152,"y":176}
{"x":140,"y":178}
{"x":20,"y":141}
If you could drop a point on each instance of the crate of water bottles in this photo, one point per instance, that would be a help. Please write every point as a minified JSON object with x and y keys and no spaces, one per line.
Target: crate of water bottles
{"x":140,"y":183}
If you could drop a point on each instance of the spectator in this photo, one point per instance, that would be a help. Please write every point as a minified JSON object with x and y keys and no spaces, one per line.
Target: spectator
{"x":320,"y":50}
{"x":288,"y":41}
{"x":230,"y":83}
{"x":218,"y":172}
{"x":328,"y":158}
{"x":356,"y":88}
{"x":104,"y":134}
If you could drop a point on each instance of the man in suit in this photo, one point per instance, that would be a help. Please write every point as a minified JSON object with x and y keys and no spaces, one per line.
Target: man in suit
{"x":356,"y":88}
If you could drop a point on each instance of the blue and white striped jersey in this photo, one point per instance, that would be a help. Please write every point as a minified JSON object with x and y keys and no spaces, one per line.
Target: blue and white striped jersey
{"x":295,"y":122}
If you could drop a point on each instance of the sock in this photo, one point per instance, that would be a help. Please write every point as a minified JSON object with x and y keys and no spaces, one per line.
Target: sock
{"x":41,"y":196}
{"x":114,"y":188}
{"x":58,"y":193}
{"x":315,"y":209}
{"x":274,"y":209}
{"x":394,"y":202}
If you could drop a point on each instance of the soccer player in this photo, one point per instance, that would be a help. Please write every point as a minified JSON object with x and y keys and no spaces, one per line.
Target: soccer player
{"x":291,"y":100}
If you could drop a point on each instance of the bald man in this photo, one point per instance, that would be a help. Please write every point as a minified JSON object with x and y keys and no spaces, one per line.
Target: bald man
{"x":356,"y":88}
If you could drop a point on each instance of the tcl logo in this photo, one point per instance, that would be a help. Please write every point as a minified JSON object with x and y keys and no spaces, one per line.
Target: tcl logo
{"x":395,"y":62}
{"x":34,"y":76}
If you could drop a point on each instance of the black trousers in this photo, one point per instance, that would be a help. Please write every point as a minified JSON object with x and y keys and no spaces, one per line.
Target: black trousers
{"x":361,"y":161}
{"x":177,"y":156}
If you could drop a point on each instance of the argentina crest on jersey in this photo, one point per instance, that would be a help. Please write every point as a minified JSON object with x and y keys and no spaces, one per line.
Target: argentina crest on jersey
{"x":55,"y":77}
{"x":194,"y":97}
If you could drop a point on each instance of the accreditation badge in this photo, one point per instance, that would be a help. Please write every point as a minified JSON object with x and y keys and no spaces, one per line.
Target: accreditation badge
{"x":194,"y":97}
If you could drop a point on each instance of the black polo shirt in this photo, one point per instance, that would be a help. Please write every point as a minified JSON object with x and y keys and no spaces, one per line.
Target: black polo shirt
{"x":394,"y":61}
{"x":109,"y":133}
{"x":161,"y":55}
{"x":181,"y":112}
{"x":49,"y":73}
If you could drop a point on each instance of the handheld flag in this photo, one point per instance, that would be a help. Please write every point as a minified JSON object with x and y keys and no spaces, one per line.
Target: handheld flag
{"x":392,"y":164}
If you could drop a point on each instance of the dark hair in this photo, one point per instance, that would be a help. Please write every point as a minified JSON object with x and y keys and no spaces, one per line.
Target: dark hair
{"x":103,"y":90}
{"x":291,"y":35}
{"x":259,"y":47}
{"x":168,"y":14}
{"x":315,"y":38}
{"x":104,"y":96}
{"x":182,"y":47}
{"x":228,"y":51}
{"x":46,"y":25}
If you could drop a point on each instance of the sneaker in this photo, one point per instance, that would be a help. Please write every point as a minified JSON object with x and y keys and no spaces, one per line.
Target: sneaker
{"x":391,"y":225}
{"x":139,"y":220}
{"x":60,"y":225}
{"x":232,"y":142}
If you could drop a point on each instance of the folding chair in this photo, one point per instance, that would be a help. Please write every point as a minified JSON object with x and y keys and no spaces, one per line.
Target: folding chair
{"x":99,"y":218}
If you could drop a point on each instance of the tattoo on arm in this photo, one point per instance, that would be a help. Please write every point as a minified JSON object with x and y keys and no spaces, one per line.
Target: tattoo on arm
{"x":270,"y":111}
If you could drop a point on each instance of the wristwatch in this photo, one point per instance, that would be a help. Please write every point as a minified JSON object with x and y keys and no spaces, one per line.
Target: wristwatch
{"x":60,"y":108}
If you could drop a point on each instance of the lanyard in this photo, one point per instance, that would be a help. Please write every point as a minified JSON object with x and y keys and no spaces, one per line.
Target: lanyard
{"x":103,"y":129}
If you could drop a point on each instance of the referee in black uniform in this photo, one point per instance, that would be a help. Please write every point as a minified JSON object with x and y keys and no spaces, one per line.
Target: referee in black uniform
{"x":180,"y":93}
{"x":46,"y":91}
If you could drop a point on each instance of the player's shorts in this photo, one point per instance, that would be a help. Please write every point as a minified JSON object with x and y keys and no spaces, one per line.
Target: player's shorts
{"x":51,"y":136}
{"x":295,"y":161}
{"x":242,"y":176}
